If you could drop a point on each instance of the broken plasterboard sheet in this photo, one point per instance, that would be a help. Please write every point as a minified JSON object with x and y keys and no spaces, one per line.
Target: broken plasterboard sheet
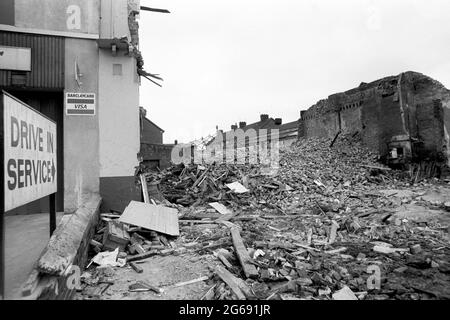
{"x":108,"y":258}
{"x":152,"y":217}
{"x":220,"y":208}
{"x":344,"y":294}
{"x":237,"y":187}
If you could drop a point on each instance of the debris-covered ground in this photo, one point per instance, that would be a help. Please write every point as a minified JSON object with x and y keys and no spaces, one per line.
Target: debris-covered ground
{"x":332,"y":223}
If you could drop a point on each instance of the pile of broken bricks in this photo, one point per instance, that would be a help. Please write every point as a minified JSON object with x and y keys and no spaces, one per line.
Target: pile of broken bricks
{"x":334,"y":234}
{"x":326,"y":226}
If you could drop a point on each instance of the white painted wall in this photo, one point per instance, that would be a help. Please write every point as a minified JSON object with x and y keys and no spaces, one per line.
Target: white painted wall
{"x":118,"y":115}
{"x":81,"y":133}
{"x":114,"y":19}
{"x":118,"y":97}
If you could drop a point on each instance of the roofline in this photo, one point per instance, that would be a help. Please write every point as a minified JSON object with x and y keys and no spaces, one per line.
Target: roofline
{"x":145,"y":118}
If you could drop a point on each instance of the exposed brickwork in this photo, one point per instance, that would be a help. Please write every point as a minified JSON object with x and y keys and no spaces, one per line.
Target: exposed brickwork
{"x":157,"y":152}
{"x":409,"y":104}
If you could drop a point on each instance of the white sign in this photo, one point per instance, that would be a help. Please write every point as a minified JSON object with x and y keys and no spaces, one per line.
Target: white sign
{"x":29,"y":153}
{"x":62,"y":16}
{"x":78,"y":103}
{"x":15,"y":58}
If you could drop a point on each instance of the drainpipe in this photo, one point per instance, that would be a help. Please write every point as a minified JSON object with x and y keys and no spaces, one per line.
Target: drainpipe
{"x":402,"y":110}
{"x":340,"y":120}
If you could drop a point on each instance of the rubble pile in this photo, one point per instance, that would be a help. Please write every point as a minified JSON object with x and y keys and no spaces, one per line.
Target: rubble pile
{"x":331,"y":223}
{"x":336,"y":230}
{"x":197,"y":184}
{"x":314,"y":174}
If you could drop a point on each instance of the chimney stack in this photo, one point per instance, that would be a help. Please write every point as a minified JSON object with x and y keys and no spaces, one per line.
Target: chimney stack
{"x":278,"y":121}
{"x":233,"y":127}
{"x":242,"y":124}
{"x":302,"y":114}
{"x":264,"y":117}
{"x":176,"y":142}
{"x":143,"y":111}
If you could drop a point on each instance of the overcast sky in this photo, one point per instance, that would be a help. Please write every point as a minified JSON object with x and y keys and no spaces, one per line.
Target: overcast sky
{"x":225,"y":61}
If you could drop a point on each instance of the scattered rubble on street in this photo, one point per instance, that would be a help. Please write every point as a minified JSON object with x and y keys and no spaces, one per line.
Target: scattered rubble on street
{"x":332,"y":223}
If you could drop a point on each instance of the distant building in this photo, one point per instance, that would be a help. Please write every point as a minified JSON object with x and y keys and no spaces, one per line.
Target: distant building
{"x":154,"y":153}
{"x":150,"y":132}
{"x":253,"y":132}
{"x":288,"y":133}
{"x":265,"y":122}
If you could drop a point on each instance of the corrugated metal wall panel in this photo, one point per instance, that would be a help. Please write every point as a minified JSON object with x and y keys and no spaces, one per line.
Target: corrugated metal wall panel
{"x":47,"y":60}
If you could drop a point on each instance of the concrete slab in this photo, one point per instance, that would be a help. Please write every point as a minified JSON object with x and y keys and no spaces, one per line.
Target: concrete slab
{"x":25,"y":238}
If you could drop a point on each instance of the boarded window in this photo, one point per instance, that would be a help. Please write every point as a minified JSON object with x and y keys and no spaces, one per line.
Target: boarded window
{"x":117,"y":69}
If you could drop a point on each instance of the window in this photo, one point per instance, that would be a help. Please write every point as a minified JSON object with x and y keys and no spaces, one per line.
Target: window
{"x":117,"y":69}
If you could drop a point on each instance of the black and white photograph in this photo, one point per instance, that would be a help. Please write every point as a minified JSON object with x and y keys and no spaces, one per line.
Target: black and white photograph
{"x":228,"y":156}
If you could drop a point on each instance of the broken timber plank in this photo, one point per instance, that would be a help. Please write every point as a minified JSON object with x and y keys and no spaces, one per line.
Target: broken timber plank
{"x":209,"y":295}
{"x":202,"y":176}
{"x":282,"y":217}
{"x":180,"y":284}
{"x":226,"y":217}
{"x":245,"y":218}
{"x":115,"y":236}
{"x":242,"y":254}
{"x":143,"y":286}
{"x":333,"y":232}
{"x":227,"y":224}
{"x":96,"y":243}
{"x":109,"y":215}
{"x":231,"y":281}
{"x":146,"y":255}
{"x":306,"y":247}
{"x":137,"y":248}
{"x":136,"y":268}
{"x":245,"y":289}
{"x":144,"y":189}
{"x":197,"y":221}
{"x":225,"y":261}
{"x":335,"y":138}
{"x":376,"y":168}
{"x":203,"y":216}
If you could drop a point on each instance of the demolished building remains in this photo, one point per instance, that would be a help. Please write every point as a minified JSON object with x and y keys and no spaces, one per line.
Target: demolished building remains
{"x":154,"y":154}
{"x":403,"y":118}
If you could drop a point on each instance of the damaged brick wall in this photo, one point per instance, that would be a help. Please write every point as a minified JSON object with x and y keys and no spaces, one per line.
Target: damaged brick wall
{"x":404,"y":105}
{"x":429,"y":102}
{"x":159,"y":154}
{"x":320,"y":120}
{"x":370,"y":118}
{"x":430,"y":123}
{"x":351,"y":120}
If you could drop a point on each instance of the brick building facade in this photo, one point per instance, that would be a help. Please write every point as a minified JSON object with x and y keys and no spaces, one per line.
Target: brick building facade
{"x":406,"y":115}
